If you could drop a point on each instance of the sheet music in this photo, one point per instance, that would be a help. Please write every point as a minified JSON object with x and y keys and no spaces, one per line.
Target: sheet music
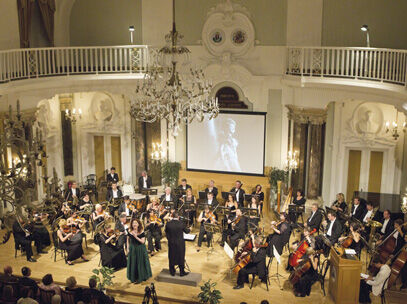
{"x":189,"y":237}
{"x":364,"y":275}
{"x":229,"y":252}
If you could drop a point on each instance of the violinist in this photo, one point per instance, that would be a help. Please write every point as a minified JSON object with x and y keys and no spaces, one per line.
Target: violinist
{"x":387,"y":224}
{"x":231,"y":205}
{"x":40,"y":232}
{"x":189,"y":206}
{"x":212,"y":189}
{"x":153,"y":224}
{"x":124,"y":206}
{"x":86,"y":205}
{"x":155,"y":205}
{"x":237,"y":230}
{"x":70,"y":239}
{"x":260,"y":194}
{"x":353,"y":240}
{"x":98,"y":215}
{"x":211,"y":200}
{"x":239,"y":193}
{"x":206,"y":216}
{"x":280,"y":236}
{"x":374,"y":284}
{"x":256,"y":266}
{"x":303,"y":287}
{"x":113,"y":193}
{"x":315,"y":219}
{"x":111,"y":252}
{"x":398,"y":235}
{"x":23,"y":237}
{"x":333,"y":230}
{"x":255,"y":205}
{"x":122,"y":227}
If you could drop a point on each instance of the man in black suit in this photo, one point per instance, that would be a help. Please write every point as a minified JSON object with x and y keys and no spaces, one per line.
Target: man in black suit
{"x":357,"y":209}
{"x":239,"y":192}
{"x":388,"y":225}
{"x":123,"y":229}
{"x":113,"y":193}
{"x":257,"y":265}
{"x":237,"y":230}
{"x":8,"y":276}
{"x":123,"y":206}
{"x":26,"y":281}
{"x":332,"y":233}
{"x":174,"y":230}
{"x":212,"y":189}
{"x":144,"y":181}
{"x":184,"y":186}
{"x":23,"y":238}
{"x":168,"y":197}
{"x":73,"y":193}
{"x":112,"y":176}
{"x":315,"y":219}
{"x":211,"y":201}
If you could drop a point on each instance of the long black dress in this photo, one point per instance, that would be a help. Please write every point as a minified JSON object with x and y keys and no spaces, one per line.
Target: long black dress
{"x":279,"y":240}
{"x":174,"y":231}
{"x":73,"y":246}
{"x":112,"y":255}
{"x":303,"y":287}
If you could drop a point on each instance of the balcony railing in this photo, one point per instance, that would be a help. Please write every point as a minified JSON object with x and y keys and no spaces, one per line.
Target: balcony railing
{"x":44,"y":62}
{"x":384,"y":65}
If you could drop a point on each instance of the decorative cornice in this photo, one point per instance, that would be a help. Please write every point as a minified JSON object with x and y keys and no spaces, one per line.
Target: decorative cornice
{"x":307,"y":115}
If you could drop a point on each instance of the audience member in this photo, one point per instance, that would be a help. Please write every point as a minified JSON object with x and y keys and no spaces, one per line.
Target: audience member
{"x":8,"y":275}
{"x":47,"y":283}
{"x":93,"y":293}
{"x":25,"y":297}
{"x":27,"y":281}
{"x":71,"y":286}
{"x":264,"y":302}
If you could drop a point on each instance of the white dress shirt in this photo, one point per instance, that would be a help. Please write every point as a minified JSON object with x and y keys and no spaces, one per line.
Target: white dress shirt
{"x":354,"y":210}
{"x":168,"y":197}
{"x":73,"y":192}
{"x":378,"y":280}
{"x":145,"y":182}
{"x":210,"y":202}
{"x":383,"y":230}
{"x":331,"y":224}
{"x":115,"y":193}
{"x":368,"y":215}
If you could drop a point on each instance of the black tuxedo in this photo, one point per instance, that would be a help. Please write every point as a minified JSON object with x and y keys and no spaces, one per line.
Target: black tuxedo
{"x":69,"y":195}
{"x":257,"y":266}
{"x":22,"y":240}
{"x":109,"y":194}
{"x":214,"y":204}
{"x":111,"y":179}
{"x":377,"y":217}
{"x":315,"y":221}
{"x":389,"y":228}
{"x":336,"y":231}
{"x":240,"y":197}
{"x":186,"y":187}
{"x":359,"y":212}
{"x":149,"y":182}
{"x":214,"y":191}
{"x":174,"y":231}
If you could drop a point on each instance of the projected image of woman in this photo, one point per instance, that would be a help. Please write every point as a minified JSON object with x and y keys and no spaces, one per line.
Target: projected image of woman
{"x":228,"y":148}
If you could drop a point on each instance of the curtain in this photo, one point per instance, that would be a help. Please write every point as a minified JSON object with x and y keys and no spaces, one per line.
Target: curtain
{"x":47,"y":8}
{"x":24,"y":8}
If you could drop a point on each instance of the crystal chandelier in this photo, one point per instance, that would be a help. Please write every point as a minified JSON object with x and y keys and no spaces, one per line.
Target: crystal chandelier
{"x":73,"y":115}
{"x":158,"y":153}
{"x":292,"y":161}
{"x":171,"y":91}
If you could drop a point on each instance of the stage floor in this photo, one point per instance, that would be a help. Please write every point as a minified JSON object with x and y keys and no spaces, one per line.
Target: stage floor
{"x":213,"y":265}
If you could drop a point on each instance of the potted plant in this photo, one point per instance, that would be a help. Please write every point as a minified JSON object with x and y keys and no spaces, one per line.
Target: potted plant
{"x":208,"y":294}
{"x":103,"y":276}
{"x":170,"y":173}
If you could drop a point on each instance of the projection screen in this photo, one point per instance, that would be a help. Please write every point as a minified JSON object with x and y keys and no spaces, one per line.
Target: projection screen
{"x":233,"y":142}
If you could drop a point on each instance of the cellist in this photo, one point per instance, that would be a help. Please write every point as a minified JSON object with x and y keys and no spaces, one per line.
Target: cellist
{"x":303,"y":287}
{"x":256,"y":266}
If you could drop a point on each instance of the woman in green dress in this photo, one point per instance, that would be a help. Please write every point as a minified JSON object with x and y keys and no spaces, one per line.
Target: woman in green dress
{"x":138,"y":264}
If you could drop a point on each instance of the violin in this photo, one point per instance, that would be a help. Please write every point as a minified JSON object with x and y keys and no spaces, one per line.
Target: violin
{"x":210,"y":216}
{"x":244,"y":260}
{"x":155,"y":219}
{"x":299,"y":251}
{"x":237,"y":220}
{"x":68,"y":229}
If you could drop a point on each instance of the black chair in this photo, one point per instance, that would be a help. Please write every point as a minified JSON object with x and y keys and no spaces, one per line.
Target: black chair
{"x":90,"y":185}
{"x":46,"y":296}
{"x":383,"y":293}
{"x":322,"y":271}
{"x":57,"y":246}
{"x":13,"y":285}
{"x":267,"y":275}
{"x":68,"y":297}
{"x":17,"y":247}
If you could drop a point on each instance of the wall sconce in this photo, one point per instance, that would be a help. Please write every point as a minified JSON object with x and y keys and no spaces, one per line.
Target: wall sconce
{"x":158,"y":153}
{"x":73,"y":115}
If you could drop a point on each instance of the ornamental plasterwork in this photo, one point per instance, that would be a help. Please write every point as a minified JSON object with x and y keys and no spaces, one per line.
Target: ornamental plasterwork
{"x":307,"y":115}
{"x":228,"y":32}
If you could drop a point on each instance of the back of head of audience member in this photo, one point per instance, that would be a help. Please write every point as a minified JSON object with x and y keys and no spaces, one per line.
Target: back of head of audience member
{"x":8,"y":270}
{"x":92,"y":283}
{"x":71,"y":282}
{"x":47,"y":279}
{"x":264,"y":302}
{"x":25,"y":271}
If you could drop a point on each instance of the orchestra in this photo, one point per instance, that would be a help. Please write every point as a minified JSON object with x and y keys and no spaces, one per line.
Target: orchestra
{"x":129,"y":231}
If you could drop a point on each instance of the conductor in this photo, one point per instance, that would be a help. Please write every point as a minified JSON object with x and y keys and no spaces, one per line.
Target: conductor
{"x":174,"y":229}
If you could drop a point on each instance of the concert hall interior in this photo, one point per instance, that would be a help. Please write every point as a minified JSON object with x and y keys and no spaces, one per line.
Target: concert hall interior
{"x":203,"y":151}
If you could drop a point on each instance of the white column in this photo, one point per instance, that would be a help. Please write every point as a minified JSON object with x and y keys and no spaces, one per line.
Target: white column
{"x":157,"y":20}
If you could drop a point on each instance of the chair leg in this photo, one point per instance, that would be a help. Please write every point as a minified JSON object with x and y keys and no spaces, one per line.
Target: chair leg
{"x":55,"y":254}
{"x":251,"y":285}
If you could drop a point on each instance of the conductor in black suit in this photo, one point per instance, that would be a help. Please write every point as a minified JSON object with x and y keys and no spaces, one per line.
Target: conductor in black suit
{"x":257,"y":264}
{"x":174,"y":230}
{"x":357,"y":209}
{"x":144,"y":181}
{"x":315,"y":219}
{"x":239,"y":192}
{"x":112,"y":176}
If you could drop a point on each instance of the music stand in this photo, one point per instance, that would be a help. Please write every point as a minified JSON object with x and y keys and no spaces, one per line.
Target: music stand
{"x":225,"y":195}
{"x":179,"y":192}
{"x":248,"y":197}
{"x":211,"y":228}
{"x":148,"y":191}
{"x":202,"y":195}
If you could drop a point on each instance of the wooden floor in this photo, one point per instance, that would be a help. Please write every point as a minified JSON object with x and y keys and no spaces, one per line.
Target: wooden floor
{"x":213,"y":265}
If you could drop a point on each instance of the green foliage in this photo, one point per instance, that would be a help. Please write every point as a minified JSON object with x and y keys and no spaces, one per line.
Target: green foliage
{"x":170,"y":172}
{"x":275,"y":175}
{"x":208,"y":294}
{"x":103,"y":276}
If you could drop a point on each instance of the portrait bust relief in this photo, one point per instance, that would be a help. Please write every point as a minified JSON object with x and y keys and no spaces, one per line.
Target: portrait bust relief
{"x":367,"y":120}
{"x":367,"y":123}
{"x":102,"y":107}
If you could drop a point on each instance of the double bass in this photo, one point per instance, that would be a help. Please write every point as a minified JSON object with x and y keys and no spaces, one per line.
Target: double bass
{"x":299,"y":251}
{"x":398,"y":264}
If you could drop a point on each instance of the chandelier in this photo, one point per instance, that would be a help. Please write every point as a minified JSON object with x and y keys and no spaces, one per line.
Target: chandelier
{"x":292,"y":161}
{"x":73,"y":115}
{"x":173,"y":91}
{"x":158,"y":153}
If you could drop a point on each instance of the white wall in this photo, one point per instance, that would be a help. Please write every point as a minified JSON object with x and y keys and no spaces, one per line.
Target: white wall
{"x":9,"y":35}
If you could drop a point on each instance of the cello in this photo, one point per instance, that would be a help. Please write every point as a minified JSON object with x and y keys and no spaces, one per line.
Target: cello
{"x":398,"y":264}
{"x":244,"y":260}
{"x":302,"y":268}
{"x":299,"y":251}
